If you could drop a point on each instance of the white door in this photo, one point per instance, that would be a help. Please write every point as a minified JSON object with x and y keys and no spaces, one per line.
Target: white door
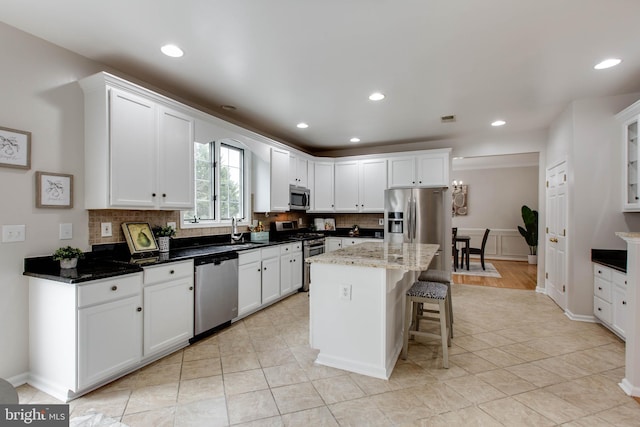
{"x":556,"y":235}
{"x":279,"y":180}
{"x":175,"y":177}
{"x":373,"y":182}
{"x":133,"y":142}
{"x":346,"y":189}
{"x":168,"y":315}
{"x":109,"y":339}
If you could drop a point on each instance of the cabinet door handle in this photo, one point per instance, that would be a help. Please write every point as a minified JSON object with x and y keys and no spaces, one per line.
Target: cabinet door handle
{"x":599,"y":271}
{"x":164,"y":194}
{"x":190,"y":288}
{"x":599,"y":288}
{"x":419,"y":182}
{"x":139,"y":309}
{"x":264,"y":269}
{"x":114,"y":288}
{"x":153,"y":194}
{"x":172,"y":272}
{"x":624,"y":303}
{"x":599,"y":309}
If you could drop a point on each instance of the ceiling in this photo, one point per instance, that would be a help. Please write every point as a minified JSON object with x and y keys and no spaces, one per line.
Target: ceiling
{"x":280,"y":62}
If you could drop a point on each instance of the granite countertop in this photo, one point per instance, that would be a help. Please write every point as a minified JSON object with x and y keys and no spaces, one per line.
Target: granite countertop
{"x":613,"y":258}
{"x":403,"y":256}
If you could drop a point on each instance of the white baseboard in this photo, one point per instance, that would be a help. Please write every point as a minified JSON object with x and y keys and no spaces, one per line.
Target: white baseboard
{"x":581,"y":317}
{"x":18,"y":380}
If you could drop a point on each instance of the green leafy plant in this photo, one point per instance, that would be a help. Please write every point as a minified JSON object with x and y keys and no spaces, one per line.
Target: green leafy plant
{"x":530,"y":230}
{"x":166,"y":231}
{"x":67,"y":253}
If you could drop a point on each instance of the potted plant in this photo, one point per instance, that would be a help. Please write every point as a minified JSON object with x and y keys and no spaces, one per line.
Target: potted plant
{"x":163,"y":234}
{"x":530,"y":232}
{"x":68,"y":256}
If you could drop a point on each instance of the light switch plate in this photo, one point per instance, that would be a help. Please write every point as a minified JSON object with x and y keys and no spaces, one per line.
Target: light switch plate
{"x":345,"y":292}
{"x":172,"y":224}
{"x":13,"y":233}
{"x":66,"y":231}
{"x":105,"y":229}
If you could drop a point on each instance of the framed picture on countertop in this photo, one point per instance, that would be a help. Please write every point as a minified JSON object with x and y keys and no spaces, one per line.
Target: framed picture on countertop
{"x":139,"y":237}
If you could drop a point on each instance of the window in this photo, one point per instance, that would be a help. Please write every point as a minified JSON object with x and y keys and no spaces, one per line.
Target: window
{"x":220,"y":191}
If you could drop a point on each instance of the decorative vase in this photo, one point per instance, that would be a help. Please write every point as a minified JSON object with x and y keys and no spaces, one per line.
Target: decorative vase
{"x":68,"y":263}
{"x":163,"y":243}
{"x":533,"y":259}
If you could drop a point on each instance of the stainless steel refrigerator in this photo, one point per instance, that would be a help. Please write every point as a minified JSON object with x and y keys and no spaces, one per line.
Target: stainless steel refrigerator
{"x":417,"y":215}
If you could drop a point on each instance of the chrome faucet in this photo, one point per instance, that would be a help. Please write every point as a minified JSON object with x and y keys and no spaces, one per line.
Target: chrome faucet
{"x":235,"y":236}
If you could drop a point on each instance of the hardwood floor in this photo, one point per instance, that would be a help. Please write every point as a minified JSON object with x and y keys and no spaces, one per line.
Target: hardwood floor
{"x":515,"y":275}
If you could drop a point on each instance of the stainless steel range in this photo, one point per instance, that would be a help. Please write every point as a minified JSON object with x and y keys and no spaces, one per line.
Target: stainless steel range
{"x":312,"y":244}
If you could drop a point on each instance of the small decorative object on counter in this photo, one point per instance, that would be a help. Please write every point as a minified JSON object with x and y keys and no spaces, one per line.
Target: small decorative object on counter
{"x":68,"y":257}
{"x":163,"y":235}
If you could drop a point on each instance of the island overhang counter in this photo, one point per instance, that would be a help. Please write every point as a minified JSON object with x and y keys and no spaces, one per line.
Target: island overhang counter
{"x":356,"y":300}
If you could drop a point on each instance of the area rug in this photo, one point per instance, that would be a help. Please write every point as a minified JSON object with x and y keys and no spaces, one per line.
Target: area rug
{"x":475,"y":269}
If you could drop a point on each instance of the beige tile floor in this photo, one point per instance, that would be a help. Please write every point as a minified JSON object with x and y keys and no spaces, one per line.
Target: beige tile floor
{"x":515,"y":360}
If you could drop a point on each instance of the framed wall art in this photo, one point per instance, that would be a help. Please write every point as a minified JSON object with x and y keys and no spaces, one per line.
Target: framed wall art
{"x":54,"y":190}
{"x":15,"y":148}
{"x":459,"y":202}
{"x":139,"y":237}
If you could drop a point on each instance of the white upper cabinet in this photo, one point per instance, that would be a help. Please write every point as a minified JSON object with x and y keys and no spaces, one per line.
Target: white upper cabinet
{"x":138,"y":147}
{"x":373,"y":182}
{"x":360,"y":185}
{"x":298,"y":170}
{"x":630,"y":118}
{"x":346,"y":186}
{"x":423,"y":170}
{"x":322,"y":194}
{"x":279,"y":180}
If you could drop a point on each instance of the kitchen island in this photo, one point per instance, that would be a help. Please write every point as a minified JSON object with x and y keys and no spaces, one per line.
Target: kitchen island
{"x":357,"y":304}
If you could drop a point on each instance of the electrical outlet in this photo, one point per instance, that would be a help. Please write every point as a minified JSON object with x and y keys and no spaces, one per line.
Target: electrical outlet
{"x":105,"y":229}
{"x":66,"y":231}
{"x":345,"y":292}
{"x":13,"y":233}
{"x":172,"y":224}
{"x":380,"y":221}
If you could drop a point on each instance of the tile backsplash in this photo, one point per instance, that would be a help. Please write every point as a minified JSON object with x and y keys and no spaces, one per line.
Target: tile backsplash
{"x":117,"y":216}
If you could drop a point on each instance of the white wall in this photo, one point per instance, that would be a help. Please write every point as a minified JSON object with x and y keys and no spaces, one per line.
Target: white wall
{"x":39,"y":94}
{"x":589,"y":138}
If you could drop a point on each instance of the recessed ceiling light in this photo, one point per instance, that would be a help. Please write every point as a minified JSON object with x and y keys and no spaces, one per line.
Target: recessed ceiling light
{"x":354,"y":139}
{"x":499,"y":123}
{"x":302,"y":125}
{"x":607,"y":63}
{"x":376,"y":96}
{"x":172,"y":50}
{"x":228,"y":107}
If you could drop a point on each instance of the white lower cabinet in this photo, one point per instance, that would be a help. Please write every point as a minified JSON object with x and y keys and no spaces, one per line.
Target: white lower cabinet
{"x":332,"y":244}
{"x":290,"y":267}
{"x":258,"y":278}
{"x":168,"y":307}
{"x":610,"y":298}
{"x":83,"y":335}
{"x":109,"y":337}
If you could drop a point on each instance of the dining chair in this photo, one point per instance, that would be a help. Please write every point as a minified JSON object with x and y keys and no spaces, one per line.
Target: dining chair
{"x":480,"y":250}
{"x":454,"y":247}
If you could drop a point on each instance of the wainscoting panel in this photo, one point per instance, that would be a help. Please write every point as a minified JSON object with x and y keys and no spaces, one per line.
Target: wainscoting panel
{"x":501,"y":244}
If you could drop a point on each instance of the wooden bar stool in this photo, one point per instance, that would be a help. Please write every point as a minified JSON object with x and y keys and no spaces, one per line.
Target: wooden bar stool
{"x":441,"y":276}
{"x":427,"y":293}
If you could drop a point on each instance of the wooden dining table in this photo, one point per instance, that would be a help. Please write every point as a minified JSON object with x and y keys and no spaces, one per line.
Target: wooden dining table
{"x":465,"y":240}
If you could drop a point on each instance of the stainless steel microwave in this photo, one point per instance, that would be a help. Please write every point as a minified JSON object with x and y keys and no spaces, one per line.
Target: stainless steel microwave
{"x":299,"y":198}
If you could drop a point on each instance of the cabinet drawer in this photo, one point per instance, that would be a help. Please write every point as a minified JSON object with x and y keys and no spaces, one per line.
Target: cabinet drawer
{"x":270,"y":252}
{"x":109,"y":290}
{"x":246,"y":257}
{"x":603,"y":272}
{"x":286,"y":249}
{"x":602,"y":310}
{"x":164,"y":272}
{"x":619,"y":279}
{"x":602,"y":289}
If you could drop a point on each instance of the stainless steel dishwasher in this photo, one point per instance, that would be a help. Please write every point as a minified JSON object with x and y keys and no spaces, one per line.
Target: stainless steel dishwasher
{"x":216,"y":293}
